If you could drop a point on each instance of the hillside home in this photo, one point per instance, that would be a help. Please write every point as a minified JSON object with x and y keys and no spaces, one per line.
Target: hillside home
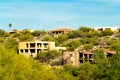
{"x":15,"y":31}
{"x":60,"y":31}
{"x":31,"y":48}
{"x":76,"y":58}
{"x":30,"y":30}
{"x":109,"y":52}
{"x":118,"y":29}
{"x":100,"y":29}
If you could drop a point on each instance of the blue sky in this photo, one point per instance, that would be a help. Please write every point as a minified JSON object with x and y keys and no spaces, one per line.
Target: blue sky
{"x":53,"y":14}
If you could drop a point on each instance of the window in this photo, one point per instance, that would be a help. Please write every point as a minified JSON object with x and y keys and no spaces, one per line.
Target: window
{"x":32,"y":50}
{"x":85,"y":55}
{"x":80,"y":55}
{"x":90,"y":56}
{"x":70,"y":55}
{"x":45,"y":45}
{"x":32,"y":45}
{"x":27,"y":45}
{"x":81,"y":61}
{"x":71,"y":61}
{"x":109,"y":55}
{"x":39,"y":45}
{"x":21,"y":50}
{"x":38,"y":50}
{"x":26,"y":50}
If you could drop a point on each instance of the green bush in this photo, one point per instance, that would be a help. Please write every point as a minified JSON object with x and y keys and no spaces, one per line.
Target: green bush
{"x":73,"y":45}
{"x":88,"y":46}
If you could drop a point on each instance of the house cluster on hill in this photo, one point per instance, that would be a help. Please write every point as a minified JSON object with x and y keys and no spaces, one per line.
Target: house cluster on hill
{"x":76,"y":58}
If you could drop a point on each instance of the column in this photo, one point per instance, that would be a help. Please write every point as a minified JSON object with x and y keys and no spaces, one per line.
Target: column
{"x":88,"y":57}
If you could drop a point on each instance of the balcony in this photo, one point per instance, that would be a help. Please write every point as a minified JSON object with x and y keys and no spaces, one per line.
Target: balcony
{"x":32,"y":45}
{"x":91,"y":57}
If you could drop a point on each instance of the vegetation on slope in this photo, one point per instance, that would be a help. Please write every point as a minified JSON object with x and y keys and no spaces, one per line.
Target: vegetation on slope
{"x":17,"y":67}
